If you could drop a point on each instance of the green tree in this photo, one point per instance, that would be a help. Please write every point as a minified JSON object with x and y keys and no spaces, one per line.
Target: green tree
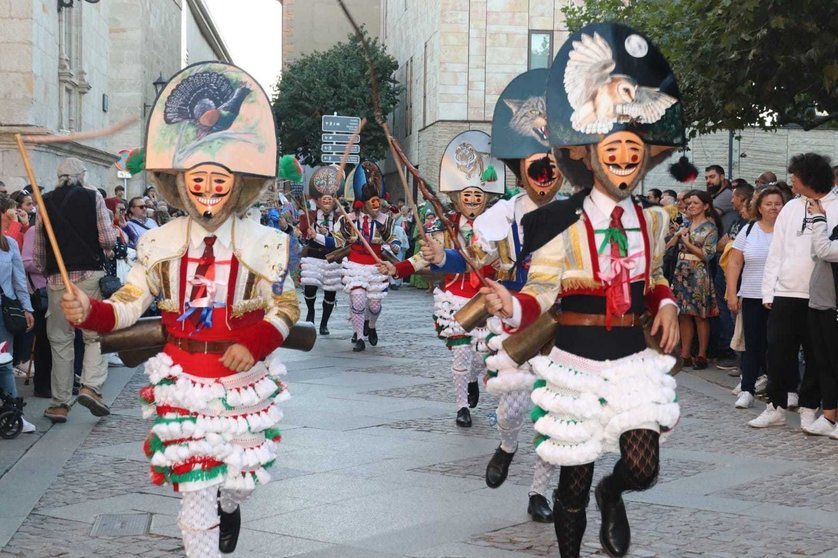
{"x":334,"y":81}
{"x":739,"y":63}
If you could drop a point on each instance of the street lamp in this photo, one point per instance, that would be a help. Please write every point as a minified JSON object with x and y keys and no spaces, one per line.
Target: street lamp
{"x":69,"y":3}
{"x":158,"y":84}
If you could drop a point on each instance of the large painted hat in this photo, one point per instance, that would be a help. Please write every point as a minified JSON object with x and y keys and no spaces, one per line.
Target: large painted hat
{"x":519,"y":124}
{"x":326,"y":181}
{"x":606,"y":78}
{"x":212,"y":112}
{"x":467,"y":163}
{"x":367,"y":181}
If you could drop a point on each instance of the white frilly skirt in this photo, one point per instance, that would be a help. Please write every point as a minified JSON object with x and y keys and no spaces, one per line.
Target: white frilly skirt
{"x":504,"y":375}
{"x":583,"y":405}
{"x":320,"y":273}
{"x":212,"y":431}
{"x":364,"y":276}
{"x":447,"y":304}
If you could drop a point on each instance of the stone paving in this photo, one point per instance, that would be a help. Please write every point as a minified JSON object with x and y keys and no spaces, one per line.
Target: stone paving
{"x":372,"y":465}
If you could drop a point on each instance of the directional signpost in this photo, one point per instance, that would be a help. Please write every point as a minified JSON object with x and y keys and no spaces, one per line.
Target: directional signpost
{"x":337,"y":134}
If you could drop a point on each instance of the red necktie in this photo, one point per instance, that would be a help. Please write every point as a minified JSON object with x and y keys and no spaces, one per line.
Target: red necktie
{"x":365,"y":228}
{"x":619,"y":304}
{"x":206,"y":268}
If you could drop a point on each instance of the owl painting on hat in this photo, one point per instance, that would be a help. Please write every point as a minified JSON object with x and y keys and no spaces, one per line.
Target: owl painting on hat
{"x":362,"y":280}
{"x":222,"y":284}
{"x":316,"y":227}
{"x":613,"y":112}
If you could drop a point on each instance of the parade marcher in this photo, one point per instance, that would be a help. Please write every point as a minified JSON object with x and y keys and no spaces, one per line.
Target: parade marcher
{"x":520,"y":140}
{"x":470,"y":176}
{"x":316,"y":230}
{"x":226,"y":298}
{"x":364,"y":283}
{"x":613,"y":113}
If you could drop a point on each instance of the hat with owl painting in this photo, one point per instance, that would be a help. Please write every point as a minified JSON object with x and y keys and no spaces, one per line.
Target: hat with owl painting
{"x":211,"y":142}
{"x":609,"y":82}
{"x":520,"y":137}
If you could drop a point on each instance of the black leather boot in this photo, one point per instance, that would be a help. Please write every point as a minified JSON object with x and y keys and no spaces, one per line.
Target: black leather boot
{"x":372,"y":336}
{"x":498,"y":468}
{"x":324,"y":319}
{"x":228,"y":529}
{"x":464,"y":418}
{"x":539,"y":509}
{"x":366,"y":328}
{"x":354,"y":338}
{"x":473,"y":394}
{"x":359,"y":346}
{"x":310,"y":308}
{"x":570,"y":528}
{"x":614,"y":533}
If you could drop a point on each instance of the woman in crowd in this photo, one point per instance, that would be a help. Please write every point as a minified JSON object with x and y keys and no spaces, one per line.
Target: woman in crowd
{"x":693,"y":286}
{"x":12,"y":223}
{"x":745,"y":266}
{"x":13,"y":284}
{"x":25,"y":206}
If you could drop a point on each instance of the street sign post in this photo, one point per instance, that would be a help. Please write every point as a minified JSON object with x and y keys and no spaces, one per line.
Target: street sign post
{"x":337,"y":138}
{"x":334,"y":158}
{"x":339,"y":147}
{"x":335,"y":123}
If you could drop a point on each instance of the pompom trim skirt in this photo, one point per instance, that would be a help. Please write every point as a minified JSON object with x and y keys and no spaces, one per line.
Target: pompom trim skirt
{"x":320,"y":273}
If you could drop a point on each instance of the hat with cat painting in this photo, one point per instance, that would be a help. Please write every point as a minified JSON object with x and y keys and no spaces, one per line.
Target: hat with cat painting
{"x":519,"y":124}
{"x":467,"y":163}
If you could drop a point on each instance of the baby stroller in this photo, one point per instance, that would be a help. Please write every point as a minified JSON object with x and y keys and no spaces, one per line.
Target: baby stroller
{"x":11,"y":415}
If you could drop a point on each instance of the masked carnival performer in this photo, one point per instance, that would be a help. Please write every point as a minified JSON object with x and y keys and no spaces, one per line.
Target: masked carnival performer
{"x":316,"y":229}
{"x":519,"y":139}
{"x":614,"y":112}
{"x":361,"y":279}
{"x":469,"y":175}
{"x":226,"y":298}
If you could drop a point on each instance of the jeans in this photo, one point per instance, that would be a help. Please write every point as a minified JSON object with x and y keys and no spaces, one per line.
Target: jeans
{"x":755,"y":327}
{"x":7,"y":373}
{"x":823,"y":328}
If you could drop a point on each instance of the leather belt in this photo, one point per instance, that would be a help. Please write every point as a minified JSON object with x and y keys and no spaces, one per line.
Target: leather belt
{"x":193,"y":346}
{"x":689,"y":257}
{"x":595,"y":320}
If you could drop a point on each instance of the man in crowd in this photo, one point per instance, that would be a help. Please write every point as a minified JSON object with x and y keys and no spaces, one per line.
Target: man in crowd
{"x":119,"y":192}
{"x":138,"y":221}
{"x":654,"y":195}
{"x":785,"y":291}
{"x":765,"y":179}
{"x":85,"y":236}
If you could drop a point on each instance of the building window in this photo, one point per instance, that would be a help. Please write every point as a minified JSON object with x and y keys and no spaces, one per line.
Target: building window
{"x":408,"y":101}
{"x":541,"y":49}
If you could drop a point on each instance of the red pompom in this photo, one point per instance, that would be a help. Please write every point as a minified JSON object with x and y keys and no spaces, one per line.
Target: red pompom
{"x":157,"y":478}
{"x":147,"y":394}
{"x":358,"y":204}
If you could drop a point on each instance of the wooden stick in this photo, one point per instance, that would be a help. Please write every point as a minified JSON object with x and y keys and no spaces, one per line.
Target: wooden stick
{"x":398,"y":154}
{"x":77,"y":136}
{"x":42,"y":210}
{"x":342,"y":168}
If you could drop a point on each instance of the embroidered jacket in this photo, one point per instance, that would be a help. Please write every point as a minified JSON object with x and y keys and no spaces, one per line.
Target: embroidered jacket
{"x":381,"y":233}
{"x":261,"y":302}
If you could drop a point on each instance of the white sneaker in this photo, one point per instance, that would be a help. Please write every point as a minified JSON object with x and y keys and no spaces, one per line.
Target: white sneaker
{"x":771,"y":416}
{"x":821,"y":427}
{"x":807,"y":417}
{"x":834,"y":433}
{"x":738,"y":389}
{"x":745,"y":401}
{"x":761,"y":384}
{"x":791,"y":402}
{"x":114,"y":360}
{"x":28,"y":427}
{"x":5,"y":355}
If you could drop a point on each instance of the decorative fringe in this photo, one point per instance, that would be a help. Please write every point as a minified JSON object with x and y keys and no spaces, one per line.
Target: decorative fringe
{"x":135,"y":163}
{"x":489,"y":174}
{"x":683,"y":170}
{"x":290,"y":169}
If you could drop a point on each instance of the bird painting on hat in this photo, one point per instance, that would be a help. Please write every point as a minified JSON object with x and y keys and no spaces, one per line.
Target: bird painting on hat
{"x":208,"y":99}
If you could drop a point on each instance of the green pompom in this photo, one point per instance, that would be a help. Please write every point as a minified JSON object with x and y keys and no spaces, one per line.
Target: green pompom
{"x":539,"y":384}
{"x":539,"y":439}
{"x":509,"y":193}
{"x":135,"y":163}
{"x":290,"y":169}
{"x":490,"y":174}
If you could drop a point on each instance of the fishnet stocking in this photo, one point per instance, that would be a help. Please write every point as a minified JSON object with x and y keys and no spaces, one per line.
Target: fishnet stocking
{"x":198,"y":521}
{"x":512,"y":406}
{"x":639,"y":463}
{"x":541,"y":475}
{"x":460,"y":371}
{"x":229,"y":500}
{"x":569,"y":518}
{"x":373,"y":311}
{"x":358,"y":310}
{"x":478,"y":366}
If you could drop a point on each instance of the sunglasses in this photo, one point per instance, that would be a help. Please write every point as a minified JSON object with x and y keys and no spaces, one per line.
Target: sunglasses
{"x":138,"y":207}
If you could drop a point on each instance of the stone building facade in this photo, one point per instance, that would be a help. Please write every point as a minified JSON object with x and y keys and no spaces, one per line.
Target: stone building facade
{"x":87,"y":66}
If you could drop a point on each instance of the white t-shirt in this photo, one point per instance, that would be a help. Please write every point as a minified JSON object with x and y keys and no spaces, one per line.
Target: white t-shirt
{"x":754,"y":246}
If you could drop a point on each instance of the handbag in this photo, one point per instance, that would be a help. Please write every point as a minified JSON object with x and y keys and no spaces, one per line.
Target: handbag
{"x":109,"y":285}
{"x":13,"y":316}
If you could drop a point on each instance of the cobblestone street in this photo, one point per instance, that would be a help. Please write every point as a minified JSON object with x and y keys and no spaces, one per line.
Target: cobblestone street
{"x":372,"y":465}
